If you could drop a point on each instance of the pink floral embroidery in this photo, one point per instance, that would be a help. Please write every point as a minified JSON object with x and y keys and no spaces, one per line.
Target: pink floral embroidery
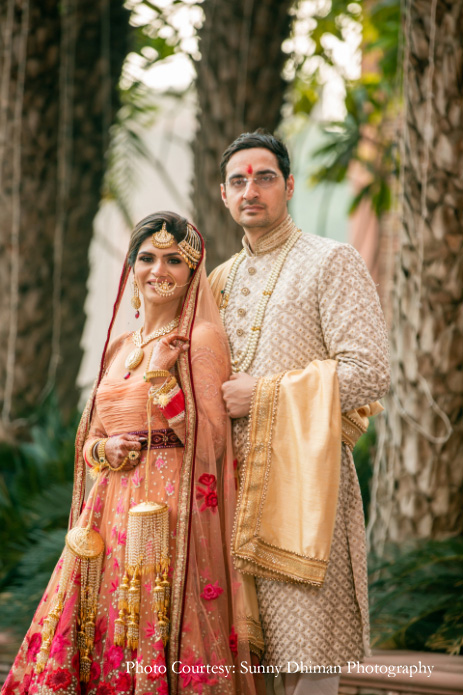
{"x":160,"y":463}
{"x":209,"y":480}
{"x":10,"y":686}
{"x":124,"y":481}
{"x":122,"y":537}
{"x":136,"y":479}
{"x":105,"y":689}
{"x":233,"y":641}
{"x":155,"y":663}
{"x":33,"y":647}
{"x":195,"y":679}
{"x":211,"y":591}
{"x":211,"y":500}
{"x":120,"y":507}
{"x":113,"y":659}
{"x":208,"y":494}
{"x":59,"y":679}
{"x":109,"y":550}
{"x":60,"y":563}
{"x":123,"y":682}
{"x":150,"y":630}
{"x":25,"y":685}
{"x":58,"y":647}
{"x":95,"y":671}
{"x":162,"y":689}
{"x":114,"y":532}
{"x":75,"y":663}
{"x":147,"y":587}
{"x":97,"y":505}
{"x":170,"y":488}
{"x":115,"y":564}
{"x":114,"y":585}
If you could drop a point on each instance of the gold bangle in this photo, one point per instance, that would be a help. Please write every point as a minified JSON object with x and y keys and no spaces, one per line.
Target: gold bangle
{"x":168,"y":386}
{"x":101,"y":451}
{"x":156,"y":373}
{"x":161,"y":393}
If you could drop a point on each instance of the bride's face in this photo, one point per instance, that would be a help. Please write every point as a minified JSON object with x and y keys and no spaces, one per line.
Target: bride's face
{"x":154,"y":267}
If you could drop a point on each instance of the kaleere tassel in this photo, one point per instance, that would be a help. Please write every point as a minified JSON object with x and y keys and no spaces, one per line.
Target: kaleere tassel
{"x":83,"y":554}
{"x":146,"y":553}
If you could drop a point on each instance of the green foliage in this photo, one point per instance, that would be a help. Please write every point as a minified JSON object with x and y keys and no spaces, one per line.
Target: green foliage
{"x":416,"y":597}
{"x":370,"y":100}
{"x":35,"y":499}
{"x":363,"y":458}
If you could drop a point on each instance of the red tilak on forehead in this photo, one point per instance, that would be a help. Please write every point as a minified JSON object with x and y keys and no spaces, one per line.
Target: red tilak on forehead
{"x":249,"y":169}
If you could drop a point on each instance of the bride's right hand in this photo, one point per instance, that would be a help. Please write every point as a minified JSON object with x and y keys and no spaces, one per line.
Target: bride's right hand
{"x":118,"y":448}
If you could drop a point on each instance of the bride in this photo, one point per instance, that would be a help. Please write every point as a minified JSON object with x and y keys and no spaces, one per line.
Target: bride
{"x":144,"y":598}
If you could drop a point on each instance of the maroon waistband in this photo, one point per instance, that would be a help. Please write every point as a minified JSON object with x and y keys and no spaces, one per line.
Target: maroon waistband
{"x":160,"y":439}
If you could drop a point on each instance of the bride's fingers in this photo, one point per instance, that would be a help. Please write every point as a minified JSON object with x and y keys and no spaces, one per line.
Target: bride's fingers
{"x":174,"y":337}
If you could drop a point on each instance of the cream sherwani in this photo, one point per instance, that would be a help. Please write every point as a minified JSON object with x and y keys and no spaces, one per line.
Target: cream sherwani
{"x":324,"y":306}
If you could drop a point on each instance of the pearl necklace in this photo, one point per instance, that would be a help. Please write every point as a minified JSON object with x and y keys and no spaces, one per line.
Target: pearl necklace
{"x":244,"y":361}
{"x":135,"y":357}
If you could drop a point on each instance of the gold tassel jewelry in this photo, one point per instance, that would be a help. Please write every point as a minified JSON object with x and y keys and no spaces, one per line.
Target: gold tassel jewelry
{"x":147,"y":552}
{"x":83,"y":554}
{"x":135,"y":301}
{"x":163,"y":239}
{"x":190,"y":247}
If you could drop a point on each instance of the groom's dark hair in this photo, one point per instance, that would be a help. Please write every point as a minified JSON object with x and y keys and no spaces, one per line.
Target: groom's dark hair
{"x":259,"y":138}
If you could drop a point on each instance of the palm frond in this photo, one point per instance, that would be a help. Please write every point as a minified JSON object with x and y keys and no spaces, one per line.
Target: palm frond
{"x":416,"y":596}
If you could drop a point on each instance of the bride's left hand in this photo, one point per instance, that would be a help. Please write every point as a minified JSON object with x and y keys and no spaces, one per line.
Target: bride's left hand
{"x":167,"y":351}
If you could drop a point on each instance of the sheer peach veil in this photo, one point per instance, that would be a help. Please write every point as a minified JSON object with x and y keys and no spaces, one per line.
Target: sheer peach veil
{"x":203,"y":532}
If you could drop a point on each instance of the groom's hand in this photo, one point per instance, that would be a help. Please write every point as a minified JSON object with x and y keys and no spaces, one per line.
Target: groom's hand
{"x":237,"y":394}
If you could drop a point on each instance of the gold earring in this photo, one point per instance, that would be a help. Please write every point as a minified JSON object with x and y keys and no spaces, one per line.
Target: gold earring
{"x":135,"y":302}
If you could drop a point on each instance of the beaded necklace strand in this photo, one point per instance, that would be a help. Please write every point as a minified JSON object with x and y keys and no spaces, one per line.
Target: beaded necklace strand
{"x":244,"y":361}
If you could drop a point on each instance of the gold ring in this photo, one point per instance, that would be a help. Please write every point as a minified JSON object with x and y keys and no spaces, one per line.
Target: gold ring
{"x":133,"y":455}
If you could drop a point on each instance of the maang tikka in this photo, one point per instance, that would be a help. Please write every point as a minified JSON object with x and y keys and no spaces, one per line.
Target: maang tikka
{"x":189,"y":248}
{"x":163,"y":239}
{"x":135,"y":302}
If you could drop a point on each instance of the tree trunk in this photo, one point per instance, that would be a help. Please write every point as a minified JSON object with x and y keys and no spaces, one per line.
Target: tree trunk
{"x":59,"y":68}
{"x":240,"y":88}
{"x":418,"y":488}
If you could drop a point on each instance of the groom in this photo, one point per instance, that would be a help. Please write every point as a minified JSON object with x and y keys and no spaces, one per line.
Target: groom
{"x":309,"y":353}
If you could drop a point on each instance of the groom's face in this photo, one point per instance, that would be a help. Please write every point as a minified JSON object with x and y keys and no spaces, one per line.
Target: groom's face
{"x":255,"y":191}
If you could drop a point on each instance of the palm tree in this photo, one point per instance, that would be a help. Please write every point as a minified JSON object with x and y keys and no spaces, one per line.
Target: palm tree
{"x":59,"y":67}
{"x":418,"y":481}
{"x":240,"y":88}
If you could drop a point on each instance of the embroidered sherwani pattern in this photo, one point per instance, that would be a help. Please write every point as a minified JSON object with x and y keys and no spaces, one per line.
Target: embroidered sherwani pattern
{"x":324,"y":306}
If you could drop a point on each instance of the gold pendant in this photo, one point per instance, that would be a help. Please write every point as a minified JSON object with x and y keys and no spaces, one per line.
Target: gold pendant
{"x":134,"y":358}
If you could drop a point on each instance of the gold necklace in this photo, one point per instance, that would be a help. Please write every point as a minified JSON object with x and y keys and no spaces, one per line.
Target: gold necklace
{"x":244,"y":361}
{"x":135,"y":357}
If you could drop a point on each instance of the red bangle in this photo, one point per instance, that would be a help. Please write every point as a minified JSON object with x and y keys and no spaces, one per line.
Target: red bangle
{"x":175,"y":406}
